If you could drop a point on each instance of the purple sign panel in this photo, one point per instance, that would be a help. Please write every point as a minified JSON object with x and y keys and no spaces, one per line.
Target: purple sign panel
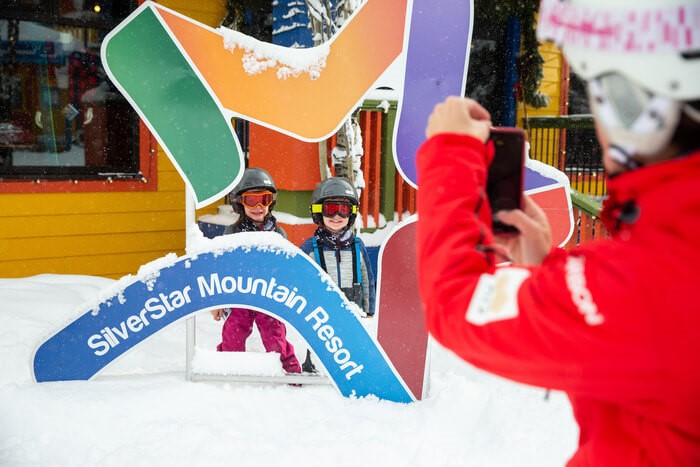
{"x":437,"y":55}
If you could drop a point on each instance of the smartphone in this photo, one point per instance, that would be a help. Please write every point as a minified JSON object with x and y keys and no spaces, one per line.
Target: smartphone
{"x":504,"y":183}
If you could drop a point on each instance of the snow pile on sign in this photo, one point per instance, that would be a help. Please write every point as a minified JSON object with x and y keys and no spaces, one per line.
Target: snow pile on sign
{"x":258,"y":56}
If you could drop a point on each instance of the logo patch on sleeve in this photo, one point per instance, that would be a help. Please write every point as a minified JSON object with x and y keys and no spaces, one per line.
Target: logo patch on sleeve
{"x":496,"y":296}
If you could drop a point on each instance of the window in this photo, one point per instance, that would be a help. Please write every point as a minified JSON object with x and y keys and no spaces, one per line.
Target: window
{"x":60,"y":116}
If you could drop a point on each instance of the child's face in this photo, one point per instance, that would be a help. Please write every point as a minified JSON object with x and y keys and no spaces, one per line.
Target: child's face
{"x":257,"y":213}
{"x":336,"y":223}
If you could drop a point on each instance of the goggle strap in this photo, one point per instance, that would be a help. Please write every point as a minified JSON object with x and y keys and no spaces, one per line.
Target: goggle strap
{"x":318,"y":209}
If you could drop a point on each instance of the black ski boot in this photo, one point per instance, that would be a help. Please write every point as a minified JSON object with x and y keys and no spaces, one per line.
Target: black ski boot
{"x":308,"y":366}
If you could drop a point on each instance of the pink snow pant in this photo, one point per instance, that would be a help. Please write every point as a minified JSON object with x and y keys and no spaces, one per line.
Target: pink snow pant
{"x":238,"y":327}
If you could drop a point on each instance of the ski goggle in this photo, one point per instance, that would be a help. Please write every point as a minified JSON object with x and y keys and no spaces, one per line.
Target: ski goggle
{"x":255,"y":198}
{"x":635,"y":121}
{"x":332,"y":208}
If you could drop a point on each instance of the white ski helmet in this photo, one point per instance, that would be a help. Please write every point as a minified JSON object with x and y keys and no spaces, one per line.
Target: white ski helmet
{"x":654,"y":43}
{"x":641,"y":59}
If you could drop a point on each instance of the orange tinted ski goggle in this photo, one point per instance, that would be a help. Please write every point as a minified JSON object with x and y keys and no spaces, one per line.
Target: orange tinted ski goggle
{"x":255,"y":198}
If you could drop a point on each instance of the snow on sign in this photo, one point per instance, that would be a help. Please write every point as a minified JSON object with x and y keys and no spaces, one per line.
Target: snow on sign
{"x":212,"y":75}
{"x":272,"y":276}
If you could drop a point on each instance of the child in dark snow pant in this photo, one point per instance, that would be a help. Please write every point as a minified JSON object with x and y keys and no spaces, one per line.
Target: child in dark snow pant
{"x":253,"y":199}
{"x":335,"y":248}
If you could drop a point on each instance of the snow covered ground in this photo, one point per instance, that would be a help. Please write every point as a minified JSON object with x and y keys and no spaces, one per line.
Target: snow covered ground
{"x":142,"y":411}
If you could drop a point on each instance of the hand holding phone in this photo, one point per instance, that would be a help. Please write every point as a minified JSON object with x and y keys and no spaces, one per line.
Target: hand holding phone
{"x":504,"y":184}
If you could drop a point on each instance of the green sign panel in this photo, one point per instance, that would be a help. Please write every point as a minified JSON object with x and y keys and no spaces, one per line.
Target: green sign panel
{"x":182,"y":114}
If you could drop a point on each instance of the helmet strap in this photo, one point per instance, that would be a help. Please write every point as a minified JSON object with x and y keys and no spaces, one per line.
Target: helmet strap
{"x":623,"y":157}
{"x":692,"y":112}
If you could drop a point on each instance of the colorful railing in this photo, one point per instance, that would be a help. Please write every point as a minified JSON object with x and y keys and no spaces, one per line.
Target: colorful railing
{"x":587,"y":223}
{"x":569,"y":143}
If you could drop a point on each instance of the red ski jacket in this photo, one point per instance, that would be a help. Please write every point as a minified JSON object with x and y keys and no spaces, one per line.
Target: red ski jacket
{"x":614,"y":323}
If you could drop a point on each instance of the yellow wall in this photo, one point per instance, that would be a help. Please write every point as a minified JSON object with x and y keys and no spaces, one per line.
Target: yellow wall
{"x":100,"y":234}
{"x":551,"y":82}
{"x":547,"y":148}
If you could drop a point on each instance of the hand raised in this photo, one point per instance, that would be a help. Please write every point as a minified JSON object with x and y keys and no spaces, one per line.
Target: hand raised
{"x":534,"y":242}
{"x":459,"y":115}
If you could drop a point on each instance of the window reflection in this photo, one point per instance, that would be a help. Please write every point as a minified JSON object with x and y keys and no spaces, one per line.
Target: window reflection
{"x":60,"y":116}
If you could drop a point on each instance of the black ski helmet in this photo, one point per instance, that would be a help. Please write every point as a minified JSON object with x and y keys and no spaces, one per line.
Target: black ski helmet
{"x":334,"y":187}
{"x":253,"y":179}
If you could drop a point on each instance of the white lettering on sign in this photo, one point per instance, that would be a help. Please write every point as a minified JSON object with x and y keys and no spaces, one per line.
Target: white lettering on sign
{"x":157,"y":307}
{"x":153,"y":309}
{"x":333,"y":343}
{"x":215,"y":285}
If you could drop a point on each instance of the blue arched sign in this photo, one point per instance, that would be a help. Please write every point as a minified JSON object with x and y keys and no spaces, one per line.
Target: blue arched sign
{"x":274,"y":276}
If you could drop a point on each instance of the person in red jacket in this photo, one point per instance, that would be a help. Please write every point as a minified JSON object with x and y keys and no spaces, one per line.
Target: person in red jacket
{"x":615,"y":323}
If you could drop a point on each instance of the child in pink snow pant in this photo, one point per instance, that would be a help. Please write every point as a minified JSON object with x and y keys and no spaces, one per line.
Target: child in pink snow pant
{"x":253,"y":199}
{"x":238,"y":327}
